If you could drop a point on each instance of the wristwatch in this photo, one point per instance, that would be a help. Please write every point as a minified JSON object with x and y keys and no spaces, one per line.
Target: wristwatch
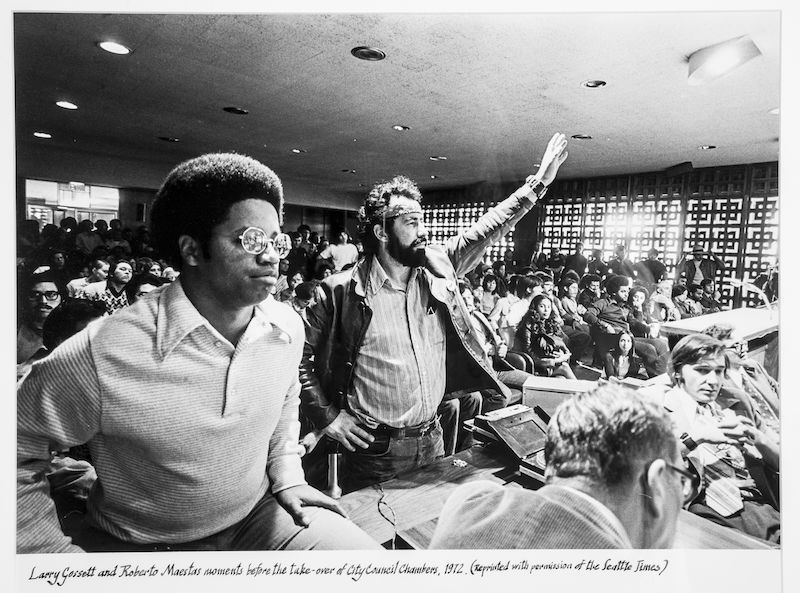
{"x":688,"y":441}
{"x":536,"y":186}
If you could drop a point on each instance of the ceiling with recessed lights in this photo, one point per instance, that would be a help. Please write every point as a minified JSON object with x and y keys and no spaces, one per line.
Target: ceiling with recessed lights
{"x":458,"y":99}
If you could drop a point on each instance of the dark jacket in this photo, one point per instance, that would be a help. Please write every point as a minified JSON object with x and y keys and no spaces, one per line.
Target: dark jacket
{"x":611,"y":364}
{"x":616,"y":314}
{"x":338,"y":322}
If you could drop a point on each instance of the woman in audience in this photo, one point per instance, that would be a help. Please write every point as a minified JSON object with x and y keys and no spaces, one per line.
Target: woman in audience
{"x":294,"y":278}
{"x":493,"y":290}
{"x":539,"y":334}
{"x":622,"y":361}
{"x":569,"y":301}
{"x":737,"y":462}
{"x":643,"y":326}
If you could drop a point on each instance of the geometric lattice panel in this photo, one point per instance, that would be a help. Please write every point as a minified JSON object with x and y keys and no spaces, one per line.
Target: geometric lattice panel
{"x":444,"y":220}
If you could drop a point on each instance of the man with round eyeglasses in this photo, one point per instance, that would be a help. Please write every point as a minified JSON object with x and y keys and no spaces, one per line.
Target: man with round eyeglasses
{"x":613,"y":479}
{"x":188,"y":399}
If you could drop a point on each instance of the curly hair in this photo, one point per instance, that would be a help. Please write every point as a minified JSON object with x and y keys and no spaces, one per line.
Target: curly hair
{"x":371,"y":213}
{"x":198,"y":194}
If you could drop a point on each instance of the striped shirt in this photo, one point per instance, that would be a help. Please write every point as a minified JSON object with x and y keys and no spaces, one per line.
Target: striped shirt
{"x":180,"y":423}
{"x":399,"y":375}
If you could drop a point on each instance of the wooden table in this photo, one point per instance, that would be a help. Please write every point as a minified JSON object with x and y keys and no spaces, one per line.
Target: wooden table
{"x":758,"y":326}
{"x":748,"y":323}
{"x":416,"y":499}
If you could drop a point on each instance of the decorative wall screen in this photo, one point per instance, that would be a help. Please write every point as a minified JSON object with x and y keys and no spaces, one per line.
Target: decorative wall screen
{"x":733,"y":211}
{"x":447,"y":219}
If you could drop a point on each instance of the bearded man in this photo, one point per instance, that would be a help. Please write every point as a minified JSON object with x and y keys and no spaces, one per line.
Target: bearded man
{"x":387,"y":340}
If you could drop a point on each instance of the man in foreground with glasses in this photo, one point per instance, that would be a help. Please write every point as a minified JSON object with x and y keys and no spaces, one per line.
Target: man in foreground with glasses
{"x":614,"y":479}
{"x":387,"y":340}
{"x":188,"y":399}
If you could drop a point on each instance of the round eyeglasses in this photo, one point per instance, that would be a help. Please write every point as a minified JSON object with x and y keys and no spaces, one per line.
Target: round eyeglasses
{"x":255,"y":241}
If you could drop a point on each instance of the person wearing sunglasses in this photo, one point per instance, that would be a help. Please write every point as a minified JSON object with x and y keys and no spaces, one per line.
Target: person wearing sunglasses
{"x":613,"y":479}
{"x":188,"y":400}
{"x":41,"y":293}
{"x":378,"y":360}
{"x":737,"y":461}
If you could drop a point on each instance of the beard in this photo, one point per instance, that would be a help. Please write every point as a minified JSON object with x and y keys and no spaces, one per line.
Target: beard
{"x":411,"y":256}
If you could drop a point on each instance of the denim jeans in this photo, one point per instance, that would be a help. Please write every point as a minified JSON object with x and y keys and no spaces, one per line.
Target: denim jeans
{"x":386,"y":457}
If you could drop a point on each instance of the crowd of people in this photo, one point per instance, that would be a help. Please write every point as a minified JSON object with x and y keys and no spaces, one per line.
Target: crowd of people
{"x":289,"y":353}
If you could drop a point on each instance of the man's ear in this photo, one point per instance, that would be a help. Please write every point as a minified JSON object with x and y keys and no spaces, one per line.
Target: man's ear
{"x":190,"y":250}
{"x":657,"y":486}
{"x":380,"y":232}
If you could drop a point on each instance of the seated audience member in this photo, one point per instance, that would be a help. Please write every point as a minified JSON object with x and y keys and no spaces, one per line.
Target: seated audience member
{"x":645,"y":329}
{"x":621,"y":361}
{"x":293,"y":279}
{"x":115,"y":239}
{"x":709,"y":297}
{"x":590,"y":290}
{"x":500,"y":270}
{"x":40,"y":295}
{"x":59,"y":268}
{"x":169,"y":274}
{"x":98,"y":273}
{"x":695,"y":292}
{"x":663,"y":309}
{"x":747,"y":384}
{"x":539,"y":334}
{"x":142,"y":284}
{"x":496,"y":349}
{"x":193,"y":424}
{"x":576,"y":340}
{"x":304,"y":297}
{"x":573,"y":311}
{"x":686,"y":306}
{"x":525,"y":288}
{"x":323,"y":269}
{"x":613,"y":480}
{"x":111,"y":290}
{"x":610,"y":315}
{"x":493,"y":291}
{"x":283,"y":277}
{"x":733,"y":457}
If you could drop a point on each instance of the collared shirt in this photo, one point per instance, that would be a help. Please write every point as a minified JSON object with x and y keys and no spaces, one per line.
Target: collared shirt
{"x":399,"y":376}
{"x":186,"y":431}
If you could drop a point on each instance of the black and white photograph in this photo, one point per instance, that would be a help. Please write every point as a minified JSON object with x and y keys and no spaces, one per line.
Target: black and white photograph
{"x":391,"y":298}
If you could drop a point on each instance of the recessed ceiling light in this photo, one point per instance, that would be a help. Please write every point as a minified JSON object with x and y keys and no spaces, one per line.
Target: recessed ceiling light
{"x":370,"y":54}
{"x":235,"y":110}
{"x":400,"y":128}
{"x":593,"y":84}
{"x":42,"y":135}
{"x":434,"y":177}
{"x":66,"y":105}
{"x":169,"y":139}
{"x":353,"y":171}
{"x":113,"y":47}
{"x":706,"y":147}
{"x":298,"y":150}
{"x":438,"y":158}
{"x":775,"y":111}
{"x":581,"y":137}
